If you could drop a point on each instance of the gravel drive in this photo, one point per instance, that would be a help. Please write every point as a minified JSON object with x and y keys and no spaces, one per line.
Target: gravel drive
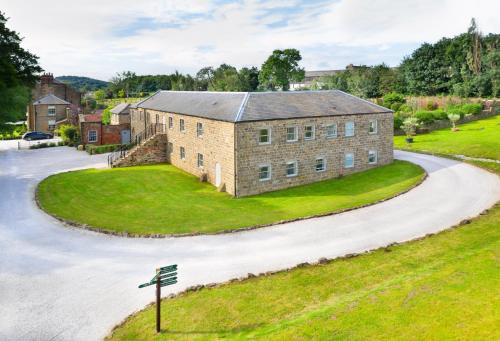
{"x":60,"y":283}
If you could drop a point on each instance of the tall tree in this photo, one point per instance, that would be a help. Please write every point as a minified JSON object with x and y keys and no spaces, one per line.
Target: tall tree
{"x":18,"y":72}
{"x":280,"y":69}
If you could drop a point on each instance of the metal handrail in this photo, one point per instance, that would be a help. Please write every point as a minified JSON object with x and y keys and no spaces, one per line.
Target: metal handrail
{"x":124,"y":149}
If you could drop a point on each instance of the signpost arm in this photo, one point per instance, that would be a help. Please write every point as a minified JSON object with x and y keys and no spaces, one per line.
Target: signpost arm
{"x":158,"y":300}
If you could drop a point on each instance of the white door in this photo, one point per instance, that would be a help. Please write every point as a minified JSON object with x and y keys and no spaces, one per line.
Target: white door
{"x":218,"y":174}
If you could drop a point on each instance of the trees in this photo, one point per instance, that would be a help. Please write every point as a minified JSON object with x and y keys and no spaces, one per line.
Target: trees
{"x":280,"y":69}
{"x":18,"y":72}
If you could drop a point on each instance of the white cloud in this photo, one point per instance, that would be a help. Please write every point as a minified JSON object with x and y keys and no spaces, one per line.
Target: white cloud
{"x":80,"y":37}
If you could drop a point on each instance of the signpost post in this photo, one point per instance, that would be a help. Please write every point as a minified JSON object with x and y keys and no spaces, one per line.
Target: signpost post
{"x":165,"y":276}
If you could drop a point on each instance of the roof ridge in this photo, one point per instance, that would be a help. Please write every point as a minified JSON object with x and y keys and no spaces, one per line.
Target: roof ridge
{"x":242,"y":107}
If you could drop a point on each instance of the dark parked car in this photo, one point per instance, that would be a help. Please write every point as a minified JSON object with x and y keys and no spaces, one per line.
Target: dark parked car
{"x":37,"y":135}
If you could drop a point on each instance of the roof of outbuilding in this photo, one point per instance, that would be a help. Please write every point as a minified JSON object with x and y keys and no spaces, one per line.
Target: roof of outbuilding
{"x":122,"y":108}
{"x":50,"y":99}
{"x":259,"y":106}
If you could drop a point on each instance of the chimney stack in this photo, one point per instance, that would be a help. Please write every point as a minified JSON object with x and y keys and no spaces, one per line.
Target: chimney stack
{"x":47,"y":78}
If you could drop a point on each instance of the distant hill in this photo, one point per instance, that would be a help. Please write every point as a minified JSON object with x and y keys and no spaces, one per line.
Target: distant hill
{"x":83,"y":84}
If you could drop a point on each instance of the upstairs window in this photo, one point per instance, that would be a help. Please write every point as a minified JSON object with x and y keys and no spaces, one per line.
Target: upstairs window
{"x":264,"y":172}
{"x":372,"y":157}
{"x":291,"y":169}
{"x":265,"y":136}
{"x":199,"y":129}
{"x":309,"y":132}
{"x":170,"y":122}
{"x":182,"y":153}
{"x":200,"y":160}
{"x":373,"y":127}
{"x":51,"y":111}
{"x":320,"y":164}
{"x":331,"y":131}
{"x":349,"y":129}
{"x":181,"y":125}
{"x":349,"y":160}
{"x":291,"y":134}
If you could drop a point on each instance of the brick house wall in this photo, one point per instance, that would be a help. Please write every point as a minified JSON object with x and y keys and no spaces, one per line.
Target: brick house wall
{"x":106,"y":134}
{"x":250,"y":155}
{"x":43,"y":118}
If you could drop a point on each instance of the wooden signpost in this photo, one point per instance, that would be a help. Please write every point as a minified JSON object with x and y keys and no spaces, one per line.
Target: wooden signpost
{"x":166,"y":275}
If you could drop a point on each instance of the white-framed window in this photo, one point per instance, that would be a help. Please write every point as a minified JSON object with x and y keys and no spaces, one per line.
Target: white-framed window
{"x":52,"y":124}
{"x":348,"y":160}
{"x":349,"y":129}
{"x":265,"y":136}
{"x":200,"y":160}
{"x":264,"y":172}
{"x":372,"y":157}
{"x":92,"y":136}
{"x":170,"y":122}
{"x":372,"y":129}
{"x":309,"y":132}
{"x":199,"y":129}
{"x":182,"y":153}
{"x":51,"y":111}
{"x":291,"y":169}
{"x":331,"y":131}
{"x":292,"y":134}
{"x":182,"y":126}
{"x":320,"y":164}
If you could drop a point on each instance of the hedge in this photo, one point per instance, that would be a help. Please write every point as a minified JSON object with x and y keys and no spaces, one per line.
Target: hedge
{"x":107,"y":148}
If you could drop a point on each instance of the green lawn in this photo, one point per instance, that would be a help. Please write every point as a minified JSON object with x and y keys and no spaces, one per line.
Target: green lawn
{"x":164,"y":199}
{"x":477,"y":139}
{"x":445,"y":287}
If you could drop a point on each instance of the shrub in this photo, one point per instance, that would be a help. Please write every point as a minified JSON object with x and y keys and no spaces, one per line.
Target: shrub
{"x":393,"y":97}
{"x":472,"y":108}
{"x":107,"y":148}
{"x":395,"y":106}
{"x":424,"y":116}
{"x":431,"y":106}
{"x":69,"y":133}
{"x":43,"y":145}
{"x":61,"y":143}
{"x":440,"y":114}
{"x":52,"y":144}
{"x":398,"y":120}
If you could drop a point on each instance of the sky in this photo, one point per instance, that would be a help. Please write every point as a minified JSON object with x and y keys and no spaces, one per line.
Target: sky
{"x":98,"y":38}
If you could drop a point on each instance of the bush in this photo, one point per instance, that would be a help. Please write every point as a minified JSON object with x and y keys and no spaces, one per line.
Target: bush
{"x":61,"y":143}
{"x":107,"y":148}
{"x":431,"y":106}
{"x":52,"y":144}
{"x":440,"y":114}
{"x":395,"y":106}
{"x":69,"y":133}
{"x":472,"y":108}
{"x":410,"y":126}
{"x":393,"y":97}
{"x":424,"y":116}
{"x":398,"y":121}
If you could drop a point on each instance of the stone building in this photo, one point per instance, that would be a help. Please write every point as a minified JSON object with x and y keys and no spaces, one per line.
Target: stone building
{"x":48,"y":86}
{"x":49,"y":112}
{"x":93,"y":131}
{"x":120,"y":114}
{"x":250,"y":143}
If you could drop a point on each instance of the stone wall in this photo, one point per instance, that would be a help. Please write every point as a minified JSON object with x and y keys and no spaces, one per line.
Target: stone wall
{"x":216,"y":145}
{"x":152,"y":151}
{"x":120,"y":119}
{"x":249,"y":154}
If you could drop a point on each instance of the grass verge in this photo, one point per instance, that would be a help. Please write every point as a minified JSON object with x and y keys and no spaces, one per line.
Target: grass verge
{"x":476,"y":139}
{"x":162,"y":199}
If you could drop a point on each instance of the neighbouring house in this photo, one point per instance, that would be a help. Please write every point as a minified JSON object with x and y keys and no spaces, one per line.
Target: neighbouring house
{"x":250,"y":143}
{"x":40,"y":117}
{"x":120,"y":114}
{"x":93,"y":131}
{"x":49,"y":112}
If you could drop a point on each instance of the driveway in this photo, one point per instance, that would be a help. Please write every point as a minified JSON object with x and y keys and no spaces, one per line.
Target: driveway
{"x":59,"y":283}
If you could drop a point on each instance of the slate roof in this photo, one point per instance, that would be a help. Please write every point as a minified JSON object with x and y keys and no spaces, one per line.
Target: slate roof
{"x":260,"y":106}
{"x":121,"y":109}
{"x":50,"y":99}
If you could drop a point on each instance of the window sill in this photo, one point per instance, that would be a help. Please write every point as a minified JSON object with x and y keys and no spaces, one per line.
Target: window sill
{"x":291,"y":176}
{"x":292,"y":141}
{"x":263,"y":180}
{"x":264,"y":144}
{"x":331,"y":137}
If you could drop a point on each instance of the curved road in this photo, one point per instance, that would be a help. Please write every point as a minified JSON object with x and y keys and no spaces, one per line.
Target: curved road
{"x":58,"y":283}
